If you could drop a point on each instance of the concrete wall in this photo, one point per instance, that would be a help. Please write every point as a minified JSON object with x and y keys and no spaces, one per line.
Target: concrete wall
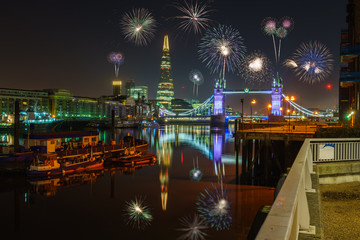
{"x":339,"y":172}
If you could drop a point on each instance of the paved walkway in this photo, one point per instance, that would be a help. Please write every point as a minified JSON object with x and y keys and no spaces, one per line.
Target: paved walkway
{"x":340,"y":209}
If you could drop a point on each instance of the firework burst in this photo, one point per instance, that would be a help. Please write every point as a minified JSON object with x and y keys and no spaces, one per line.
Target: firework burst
{"x":312,"y":62}
{"x":222,"y":45}
{"x":117,"y":59}
{"x":194,"y":16}
{"x":194,"y":228}
{"x":138,"y":26}
{"x":287,"y":23}
{"x":271,"y":27}
{"x":268,"y":25}
{"x":214,"y":208}
{"x":255,"y":68}
{"x":137,"y":213}
{"x":197,"y":78}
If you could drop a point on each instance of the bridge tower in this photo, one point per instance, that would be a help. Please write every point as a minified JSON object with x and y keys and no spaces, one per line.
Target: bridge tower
{"x":218,"y":117}
{"x":276,"y":96}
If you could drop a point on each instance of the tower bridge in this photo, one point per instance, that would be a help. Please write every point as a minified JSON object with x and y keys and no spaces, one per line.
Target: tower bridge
{"x":215,"y":105}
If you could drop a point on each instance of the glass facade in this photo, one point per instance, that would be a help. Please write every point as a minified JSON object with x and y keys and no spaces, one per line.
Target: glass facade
{"x":59,"y":103}
{"x":138,"y":92}
{"x":349,"y":90}
{"x":165,"y":92}
{"x":116,"y":88}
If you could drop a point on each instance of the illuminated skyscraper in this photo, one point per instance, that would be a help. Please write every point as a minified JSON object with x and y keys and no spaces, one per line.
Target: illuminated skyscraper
{"x":165,"y":92}
{"x":116,"y":88}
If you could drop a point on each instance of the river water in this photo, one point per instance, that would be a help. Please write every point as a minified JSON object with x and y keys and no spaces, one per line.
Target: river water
{"x":189,"y":193}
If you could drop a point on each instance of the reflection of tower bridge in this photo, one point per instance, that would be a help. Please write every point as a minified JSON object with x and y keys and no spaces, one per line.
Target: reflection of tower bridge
{"x":215,"y":105}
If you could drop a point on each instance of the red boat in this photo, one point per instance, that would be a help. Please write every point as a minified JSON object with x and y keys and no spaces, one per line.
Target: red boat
{"x":133,"y":160}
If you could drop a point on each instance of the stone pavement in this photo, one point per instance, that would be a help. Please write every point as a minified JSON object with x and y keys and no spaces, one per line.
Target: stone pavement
{"x":340,"y":207}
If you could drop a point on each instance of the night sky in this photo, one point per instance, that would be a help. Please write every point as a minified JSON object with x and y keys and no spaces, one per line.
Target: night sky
{"x":65,"y":44}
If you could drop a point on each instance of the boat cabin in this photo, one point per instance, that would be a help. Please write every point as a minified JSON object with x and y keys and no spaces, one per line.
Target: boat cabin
{"x":50,"y":142}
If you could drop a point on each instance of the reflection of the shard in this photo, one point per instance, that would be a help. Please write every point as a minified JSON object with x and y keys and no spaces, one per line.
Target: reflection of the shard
{"x":193,"y":227}
{"x":198,"y":138}
{"x":164,"y":153}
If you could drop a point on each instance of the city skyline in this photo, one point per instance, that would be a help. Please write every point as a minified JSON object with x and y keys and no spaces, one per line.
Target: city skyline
{"x":65,"y":45}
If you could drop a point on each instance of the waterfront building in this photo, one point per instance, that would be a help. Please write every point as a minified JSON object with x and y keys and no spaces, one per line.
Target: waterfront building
{"x":85,"y":107}
{"x":349,"y":89}
{"x":60,"y":103}
{"x":129,"y":85}
{"x":107,"y":105}
{"x":116,"y":88}
{"x":30,"y":101}
{"x":138,"y":92}
{"x":165,"y":91}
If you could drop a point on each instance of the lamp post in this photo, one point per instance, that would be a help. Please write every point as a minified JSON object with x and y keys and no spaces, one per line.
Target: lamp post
{"x":289,"y":117}
{"x":251,"y":103}
{"x":288,"y":99}
{"x":242,"y":110}
{"x":269,"y":107}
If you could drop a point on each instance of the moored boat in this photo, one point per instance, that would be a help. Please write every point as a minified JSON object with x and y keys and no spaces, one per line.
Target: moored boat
{"x":50,"y":164}
{"x":133,"y":160}
{"x":66,"y":144}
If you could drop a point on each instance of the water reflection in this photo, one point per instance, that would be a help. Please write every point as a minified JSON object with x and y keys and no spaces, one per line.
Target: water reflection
{"x":194,"y":228}
{"x":138,"y":213}
{"x":199,"y":202}
{"x":214,"y":207}
{"x":50,"y":186}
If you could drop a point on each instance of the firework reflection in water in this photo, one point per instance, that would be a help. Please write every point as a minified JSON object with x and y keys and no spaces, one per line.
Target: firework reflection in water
{"x":195,"y":173}
{"x":214,"y":208}
{"x":193,"y":227}
{"x":138,"y":214}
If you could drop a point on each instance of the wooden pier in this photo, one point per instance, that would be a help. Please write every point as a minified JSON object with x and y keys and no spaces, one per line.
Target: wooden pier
{"x":267,"y":150}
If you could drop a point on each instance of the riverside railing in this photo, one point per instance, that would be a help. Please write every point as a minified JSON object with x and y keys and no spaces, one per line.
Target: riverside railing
{"x":289,"y":214}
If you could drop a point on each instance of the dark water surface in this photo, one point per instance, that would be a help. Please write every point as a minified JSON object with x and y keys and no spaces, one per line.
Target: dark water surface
{"x":94,"y":205}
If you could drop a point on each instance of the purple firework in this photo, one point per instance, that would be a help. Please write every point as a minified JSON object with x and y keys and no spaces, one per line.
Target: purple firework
{"x":117,"y":59}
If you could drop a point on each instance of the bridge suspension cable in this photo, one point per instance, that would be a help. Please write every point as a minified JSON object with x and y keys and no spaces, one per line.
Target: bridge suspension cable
{"x":303,"y":110}
{"x":202,"y":107}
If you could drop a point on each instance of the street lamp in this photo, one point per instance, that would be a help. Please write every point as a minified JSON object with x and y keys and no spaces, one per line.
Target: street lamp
{"x":288,"y":99}
{"x":289,"y":117}
{"x":269,"y":107}
{"x":252,"y":102}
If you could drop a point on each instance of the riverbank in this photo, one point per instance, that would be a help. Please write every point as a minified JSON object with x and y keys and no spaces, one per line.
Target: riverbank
{"x":340,"y":209}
